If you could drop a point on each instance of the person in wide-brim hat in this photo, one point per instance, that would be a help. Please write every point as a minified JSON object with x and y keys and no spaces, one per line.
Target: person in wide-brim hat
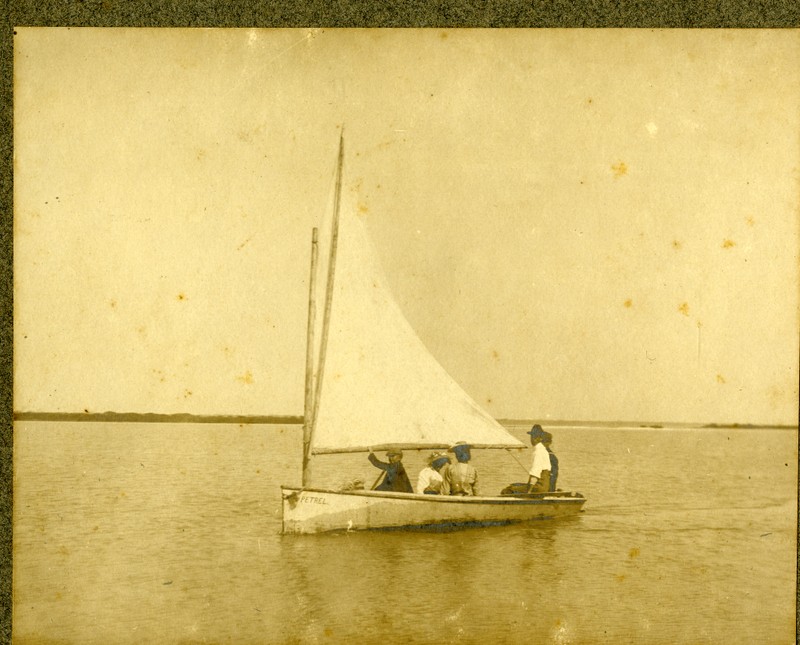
{"x":539,"y":473}
{"x":429,"y":481}
{"x":460,"y":478}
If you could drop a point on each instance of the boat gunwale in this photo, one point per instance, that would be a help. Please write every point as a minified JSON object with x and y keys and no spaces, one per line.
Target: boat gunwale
{"x":417,"y":446}
{"x":517,"y":500}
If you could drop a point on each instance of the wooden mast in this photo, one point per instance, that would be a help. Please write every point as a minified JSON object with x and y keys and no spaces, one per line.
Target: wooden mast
{"x":308,"y":412}
{"x":314,"y":384}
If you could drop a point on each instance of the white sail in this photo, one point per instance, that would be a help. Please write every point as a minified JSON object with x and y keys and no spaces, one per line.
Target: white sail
{"x":379,"y":385}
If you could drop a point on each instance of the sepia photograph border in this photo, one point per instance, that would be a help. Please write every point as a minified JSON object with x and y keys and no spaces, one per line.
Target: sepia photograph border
{"x":657,"y":14}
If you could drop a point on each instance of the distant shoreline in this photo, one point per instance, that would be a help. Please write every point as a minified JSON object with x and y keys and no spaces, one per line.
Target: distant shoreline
{"x":644,"y":425}
{"x":288,"y":419}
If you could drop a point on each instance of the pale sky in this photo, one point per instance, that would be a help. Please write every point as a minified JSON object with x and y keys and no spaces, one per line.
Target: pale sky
{"x":597,"y":225}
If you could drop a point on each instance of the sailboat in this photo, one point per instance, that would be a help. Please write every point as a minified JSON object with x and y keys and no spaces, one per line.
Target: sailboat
{"x":371,"y":384}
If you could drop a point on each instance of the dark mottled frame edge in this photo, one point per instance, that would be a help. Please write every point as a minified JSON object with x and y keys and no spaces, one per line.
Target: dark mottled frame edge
{"x":709,"y":14}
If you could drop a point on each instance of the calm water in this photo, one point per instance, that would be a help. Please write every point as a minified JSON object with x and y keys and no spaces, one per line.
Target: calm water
{"x":156,"y":533}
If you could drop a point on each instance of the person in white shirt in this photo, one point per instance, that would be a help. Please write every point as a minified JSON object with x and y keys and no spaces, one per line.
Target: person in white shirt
{"x":429,"y":481}
{"x":539,"y":474}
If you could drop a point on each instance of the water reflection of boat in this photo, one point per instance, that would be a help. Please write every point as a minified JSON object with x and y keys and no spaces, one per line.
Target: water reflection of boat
{"x":372,"y":384}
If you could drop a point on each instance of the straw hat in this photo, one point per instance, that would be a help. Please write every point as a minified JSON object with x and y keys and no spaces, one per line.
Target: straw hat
{"x":459,"y":445}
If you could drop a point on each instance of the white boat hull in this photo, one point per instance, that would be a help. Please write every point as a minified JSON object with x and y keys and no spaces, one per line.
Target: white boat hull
{"x":313,"y":510}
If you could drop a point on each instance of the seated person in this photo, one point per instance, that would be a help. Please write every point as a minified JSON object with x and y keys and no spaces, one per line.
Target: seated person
{"x":547,"y":441}
{"x":395,"y":477}
{"x":460,"y":478}
{"x":430,"y":478}
{"x":539,"y":479}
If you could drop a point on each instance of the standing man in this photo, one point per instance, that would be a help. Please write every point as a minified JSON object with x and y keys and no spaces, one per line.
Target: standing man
{"x":539,"y":474}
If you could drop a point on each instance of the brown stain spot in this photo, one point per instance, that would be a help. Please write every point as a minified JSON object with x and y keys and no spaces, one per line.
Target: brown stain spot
{"x":62,"y":550}
{"x":750,"y":221}
{"x":488,"y":400}
{"x":621,"y":577}
{"x":57,"y":596}
{"x":86,"y":410}
{"x":778,"y":397}
{"x":363,"y":209}
{"x":246,"y":378}
{"x":676,"y":244}
{"x":181,"y":296}
{"x":589,"y":100}
{"x":247,"y":135}
{"x":123,"y":494}
{"x":619,"y":169}
{"x":113,"y":304}
{"x":721,"y":379}
{"x":628,"y":303}
{"x":728,"y":244}
{"x":141,"y":330}
{"x":241,"y":246}
{"x":634,"y":553}
{"x":495,"y":355}
{"x":201,"y":155}
{"x":187,"y":394}
{"x":95,"y":529}
{"x":684,"y":308}
{"x":443,"y":35}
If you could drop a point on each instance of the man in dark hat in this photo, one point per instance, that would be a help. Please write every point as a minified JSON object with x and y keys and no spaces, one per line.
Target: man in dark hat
{"x":539,"y":479}
{"x":460,"y":478}
{"x":395,"y":477}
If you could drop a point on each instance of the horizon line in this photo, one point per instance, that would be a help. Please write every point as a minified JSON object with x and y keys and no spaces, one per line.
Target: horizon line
{"x":291,"y":419}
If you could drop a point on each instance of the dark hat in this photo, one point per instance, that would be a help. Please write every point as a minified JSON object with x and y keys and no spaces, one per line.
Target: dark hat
{"x":536,"y":431}
{"x":436,"y":456}
{"x":394,"y":451}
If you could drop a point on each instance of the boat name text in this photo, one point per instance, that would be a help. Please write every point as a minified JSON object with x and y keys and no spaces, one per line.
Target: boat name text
{"x":310,"y":499}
